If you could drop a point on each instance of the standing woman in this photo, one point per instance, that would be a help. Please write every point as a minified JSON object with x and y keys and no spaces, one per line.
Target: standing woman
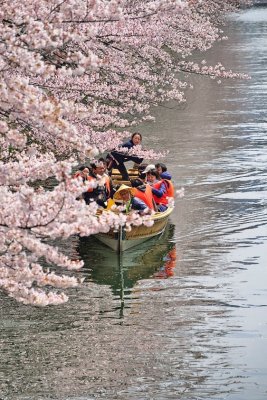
{"x":117,"y":159}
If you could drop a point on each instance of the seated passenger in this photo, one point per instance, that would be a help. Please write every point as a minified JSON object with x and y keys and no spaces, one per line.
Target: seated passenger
{"x":162,"y":191}
{"x":143,"y":191}
{"x":116,"y":159}
{"x":107,"y":179}
{"x":153,"y":177}
{"x":141,"y":167}
{"x":130,"y":201}
{"x":160,"y":167}
{"x":148,"y":168}
{"x":162,"y":170}
{"x":82,"y":172}
{"x":101,"y":192}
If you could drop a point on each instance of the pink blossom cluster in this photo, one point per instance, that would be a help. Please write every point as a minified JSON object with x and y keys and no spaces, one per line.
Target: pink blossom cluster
{"x":76,"y":76}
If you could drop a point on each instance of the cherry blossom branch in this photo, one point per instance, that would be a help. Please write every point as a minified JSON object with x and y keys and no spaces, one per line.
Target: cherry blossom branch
{"x":75,"y":76}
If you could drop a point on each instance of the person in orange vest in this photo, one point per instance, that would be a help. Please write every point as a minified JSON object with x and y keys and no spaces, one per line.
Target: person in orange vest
{"x":162,"y":189}
{"x":152,"y":177}
{"x":143,"y":191}
{"x":108,"y":181}
{"x":101,"y":192}
{"x":125,"y":194}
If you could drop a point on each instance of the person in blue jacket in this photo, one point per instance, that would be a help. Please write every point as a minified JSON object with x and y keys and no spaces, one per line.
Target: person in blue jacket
{"x":162,"y":170}
{"x":116,"y":159}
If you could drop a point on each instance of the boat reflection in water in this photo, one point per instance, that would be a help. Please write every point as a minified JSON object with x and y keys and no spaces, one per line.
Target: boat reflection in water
{"x":155,"y":258}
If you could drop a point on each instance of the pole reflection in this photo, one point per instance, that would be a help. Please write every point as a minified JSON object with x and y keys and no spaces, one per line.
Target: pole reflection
{"x":155,"y":258}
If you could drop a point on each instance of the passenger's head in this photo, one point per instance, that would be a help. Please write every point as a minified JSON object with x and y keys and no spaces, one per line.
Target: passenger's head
{"x":141,"y":167}
{"x":98,"y":168}
{"x":160,"y":167}
{"x":153,"y":176}
{"x":148,"y":168}
{"x":84,"y":171}
{"x":103,"y":161}
{"x":136,"y":138}
{"x":124,"y":193}
{"x":137,"y":182}
{"x":142,"y":176}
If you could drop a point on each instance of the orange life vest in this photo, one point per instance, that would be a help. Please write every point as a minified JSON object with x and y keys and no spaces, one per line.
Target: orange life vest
{"x":146,"y":196}
{"x":169,"y":191}
{"x":108,"y":186}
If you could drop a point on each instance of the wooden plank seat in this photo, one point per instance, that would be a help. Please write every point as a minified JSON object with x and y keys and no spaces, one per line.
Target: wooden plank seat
{"x":117,"y":179}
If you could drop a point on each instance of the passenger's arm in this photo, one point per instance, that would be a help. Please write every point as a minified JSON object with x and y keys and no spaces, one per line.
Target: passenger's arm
{"x":159,"y":192}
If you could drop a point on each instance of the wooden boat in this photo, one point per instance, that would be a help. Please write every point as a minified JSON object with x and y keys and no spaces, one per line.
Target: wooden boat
{"x":122,"y":240}
{"x":117,"y":179}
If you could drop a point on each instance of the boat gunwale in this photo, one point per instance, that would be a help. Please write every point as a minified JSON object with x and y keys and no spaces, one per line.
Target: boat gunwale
{"x":118,"y":244}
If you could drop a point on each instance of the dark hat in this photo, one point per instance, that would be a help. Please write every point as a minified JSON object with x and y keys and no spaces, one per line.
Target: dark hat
{"x":136,"y":182}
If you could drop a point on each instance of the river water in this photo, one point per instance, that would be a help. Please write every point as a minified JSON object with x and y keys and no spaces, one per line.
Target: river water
{"x":185,"y":316}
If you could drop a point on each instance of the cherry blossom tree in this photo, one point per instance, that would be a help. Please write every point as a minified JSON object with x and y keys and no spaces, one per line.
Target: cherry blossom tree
{"x":76,"y":75}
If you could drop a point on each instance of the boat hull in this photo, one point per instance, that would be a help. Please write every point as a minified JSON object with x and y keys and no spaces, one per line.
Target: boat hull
{"x":122,"y":240}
